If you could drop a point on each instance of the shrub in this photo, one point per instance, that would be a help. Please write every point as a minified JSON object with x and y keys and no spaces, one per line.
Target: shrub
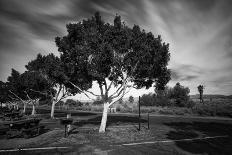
{"x":180,"y":94}
{"x":147,"y":99}
{"x":131,"y":99}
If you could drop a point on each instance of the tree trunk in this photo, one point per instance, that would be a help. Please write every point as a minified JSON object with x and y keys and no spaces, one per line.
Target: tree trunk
{"x":33,"y":110}
{"x":69,"y":127}
{"x":24,"y":108}
{"x":102,"y":128}
{"x":53,"y":109}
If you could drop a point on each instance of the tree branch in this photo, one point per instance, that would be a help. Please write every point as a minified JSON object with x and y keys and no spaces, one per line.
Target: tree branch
{"x":116,"y":91}
{"x":57,"y":95}
{"x":122,"y":93}
{"x":39,"y":92}
{"x":16,"y":96}
{"x":82,"y":91}
{"x":101,"y":89}
{"x":106,"y":90}
{"x":111,"y":83}
{"x":31,"y":100}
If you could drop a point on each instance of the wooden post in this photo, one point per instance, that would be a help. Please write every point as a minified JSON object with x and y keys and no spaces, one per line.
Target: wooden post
{"x":65,"y":130}
{"x":148,"y":121}
{"x":139,"y":114}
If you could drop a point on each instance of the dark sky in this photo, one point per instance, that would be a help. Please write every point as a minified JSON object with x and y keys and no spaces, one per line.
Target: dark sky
{"x":199,"y":33}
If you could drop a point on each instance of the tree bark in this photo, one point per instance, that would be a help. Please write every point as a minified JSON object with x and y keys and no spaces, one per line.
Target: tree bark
{"x":102,"y":128}
{"x":33,"y":110}
{"x":53,"y":109}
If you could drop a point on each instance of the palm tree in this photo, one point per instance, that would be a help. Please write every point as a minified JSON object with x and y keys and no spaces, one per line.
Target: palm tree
{"x":200,"y":90}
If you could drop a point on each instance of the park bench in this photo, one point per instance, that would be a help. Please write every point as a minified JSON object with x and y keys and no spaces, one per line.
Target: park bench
{"x":5,"y":110}
{"x":25,"y":128}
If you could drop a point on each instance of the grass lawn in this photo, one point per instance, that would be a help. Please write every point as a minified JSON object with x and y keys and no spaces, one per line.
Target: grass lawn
{"x":124,"y":129}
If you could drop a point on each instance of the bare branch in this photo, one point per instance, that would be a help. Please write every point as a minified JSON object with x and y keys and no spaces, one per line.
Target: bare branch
{"x":31,"y":100}
{"x":57,"y":95}
{"x":42,"y":93}
{"x":116,"y":91}
{"x":111,"y":83}
{"x":27,"y":95}
{"x":124,"y":93}
{"x":101,"y":89}
{"x":136,"y":65}
{"x":106,"y":90}
{"x":81,"y":91}
{"x":16,"y":96}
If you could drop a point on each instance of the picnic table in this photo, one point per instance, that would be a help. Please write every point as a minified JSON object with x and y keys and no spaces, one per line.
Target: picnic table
{"x":25,"y":127}
{"x":12,"y":115}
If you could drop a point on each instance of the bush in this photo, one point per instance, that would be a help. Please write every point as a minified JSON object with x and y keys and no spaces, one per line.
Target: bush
{"x":72,"y":102}
{"x":147,"y":99}
{"x":97,"y":108}
{"x":180,"y":94}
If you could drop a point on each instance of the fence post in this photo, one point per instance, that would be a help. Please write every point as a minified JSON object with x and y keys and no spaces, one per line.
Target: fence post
{"x":148,"y":121}
{"x":139,"y":114}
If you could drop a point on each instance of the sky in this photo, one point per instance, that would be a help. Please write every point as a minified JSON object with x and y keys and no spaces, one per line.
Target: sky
{"x":199,"y":33}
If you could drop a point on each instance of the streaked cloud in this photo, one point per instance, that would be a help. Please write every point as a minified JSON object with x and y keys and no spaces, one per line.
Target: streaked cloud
{"x":199,"y":33}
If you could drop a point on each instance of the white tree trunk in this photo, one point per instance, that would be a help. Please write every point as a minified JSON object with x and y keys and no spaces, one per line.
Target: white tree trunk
{"x":24,"y":108}
{"x":69,"y":127}
{"x":53,"y":109}
{"x":102,"y":128}
{"x":33,"y":110}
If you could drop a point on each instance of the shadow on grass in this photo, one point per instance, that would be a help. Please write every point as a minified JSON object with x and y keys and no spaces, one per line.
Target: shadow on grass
{"x":205,"y":146}
{"x":59,"y":113}
{"x":111,"y":120}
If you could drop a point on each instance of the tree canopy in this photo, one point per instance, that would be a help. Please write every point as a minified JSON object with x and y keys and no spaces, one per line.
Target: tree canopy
{"x":95,"y":51}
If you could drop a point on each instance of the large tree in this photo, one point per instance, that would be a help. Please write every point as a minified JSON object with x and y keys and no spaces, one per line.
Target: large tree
{"x":115,"y":56}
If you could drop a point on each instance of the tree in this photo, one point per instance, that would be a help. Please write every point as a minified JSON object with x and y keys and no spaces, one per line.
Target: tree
{"x":180,"y":94}
{"x":131,"y":99}
{"x":31,"y":83}
{"x":162,"y":97}
{"x":113,"y":55}
{"x":15,"y":93}
{"x":25,"y":87}
{"x":147,"y":99}
{"x":200,"y":90}
{"x":3,"y":93}
{"x":50,"y":68}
